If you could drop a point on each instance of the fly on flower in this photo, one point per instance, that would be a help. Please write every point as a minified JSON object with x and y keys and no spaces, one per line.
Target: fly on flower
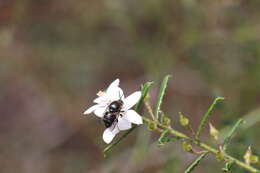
{"x":115,"y":110}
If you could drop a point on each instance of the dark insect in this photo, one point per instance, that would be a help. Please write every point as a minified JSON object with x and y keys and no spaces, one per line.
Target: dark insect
{"x":115,"y":106}
{"x":109,"y":119}
{"x":114,"y":110}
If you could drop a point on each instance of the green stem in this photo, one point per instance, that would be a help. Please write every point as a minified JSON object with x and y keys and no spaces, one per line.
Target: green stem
{"x":202,"y":145}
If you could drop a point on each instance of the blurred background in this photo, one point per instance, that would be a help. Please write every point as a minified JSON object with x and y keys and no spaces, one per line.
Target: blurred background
{"x":55,"y":56}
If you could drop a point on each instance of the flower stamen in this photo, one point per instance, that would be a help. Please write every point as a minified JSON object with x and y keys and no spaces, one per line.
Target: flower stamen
{"x":101,"y":93}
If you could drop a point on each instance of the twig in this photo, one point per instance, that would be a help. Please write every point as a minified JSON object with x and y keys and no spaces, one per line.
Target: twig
{"x":201,"y":145}
{"x":149,"y":109}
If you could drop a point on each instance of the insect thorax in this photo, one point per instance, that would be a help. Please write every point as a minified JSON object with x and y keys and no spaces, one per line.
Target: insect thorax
{"x":115,"y":106}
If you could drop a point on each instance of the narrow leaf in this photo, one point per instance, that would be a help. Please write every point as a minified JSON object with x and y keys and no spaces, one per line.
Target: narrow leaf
{"x":206,"y":115}
{"x":195,"y":163}
{"x":163,"y":138}
{"x":228,"y":166}
{"x":144,"y":91}
{"x":161,"y":94}
{"x":231,"y":133}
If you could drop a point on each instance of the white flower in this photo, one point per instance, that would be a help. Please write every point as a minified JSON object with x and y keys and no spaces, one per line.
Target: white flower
{"x":112,"y":93}
{"x":128,"y":116}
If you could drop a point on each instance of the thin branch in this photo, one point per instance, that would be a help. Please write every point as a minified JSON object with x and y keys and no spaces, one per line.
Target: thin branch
{"x":189,"y":128}
{"x":149,"y":109}
{"x":201,"y":145}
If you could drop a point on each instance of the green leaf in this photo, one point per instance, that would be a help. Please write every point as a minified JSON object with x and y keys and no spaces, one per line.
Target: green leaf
{"x":231,"y":133}
{"x":160,"y":97}
{"x":163,"y":138}
{"x":195,"y":163}
{"x":144,"y":91}
{"x":228,"y":166}
{"x":206,"y":115}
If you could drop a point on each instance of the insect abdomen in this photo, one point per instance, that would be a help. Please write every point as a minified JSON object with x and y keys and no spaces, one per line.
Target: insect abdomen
{"x":109,"y":119}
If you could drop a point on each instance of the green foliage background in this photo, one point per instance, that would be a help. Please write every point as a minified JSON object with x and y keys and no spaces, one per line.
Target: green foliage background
{"x":55,"y":55}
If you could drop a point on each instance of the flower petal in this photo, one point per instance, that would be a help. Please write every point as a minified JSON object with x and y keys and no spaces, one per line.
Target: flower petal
{"x":109,"y":134}
{"x":123,"y":124}
{"x":131,"y":100}
{"x":115,"y":93}
{"x":121,"y":94}
{"x":100,"y":111}
{"x":91,"y":109}
{"x":133,"y":117}
{"x":102,"y":100}
{"x":113,"y":85}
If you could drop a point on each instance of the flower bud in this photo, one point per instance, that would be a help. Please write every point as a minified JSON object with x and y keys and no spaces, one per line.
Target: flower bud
{"x":183,"y":120}
{"x":152,"y":126}
{"x":166,"y":121}
{"x":249,"y":157}
{"x":186,"y":147}
{"x":213,"y":131}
